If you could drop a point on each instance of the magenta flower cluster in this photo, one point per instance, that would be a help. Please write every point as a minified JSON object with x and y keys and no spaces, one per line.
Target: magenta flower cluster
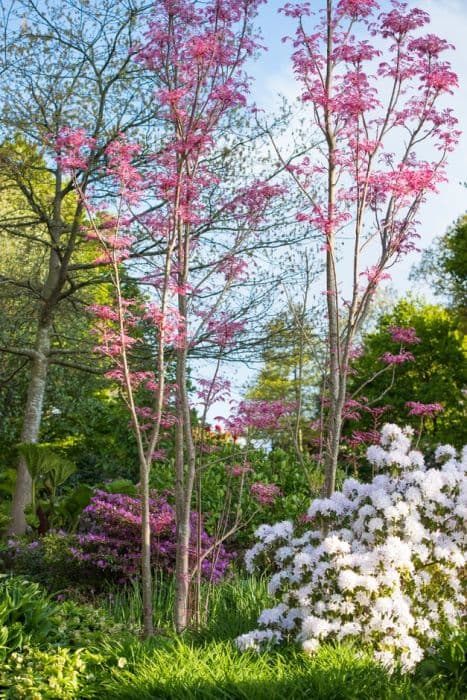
{"x":110,"y":538}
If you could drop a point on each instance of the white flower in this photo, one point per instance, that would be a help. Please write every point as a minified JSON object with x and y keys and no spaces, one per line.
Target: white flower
{"x":257,"y":639}
{"x":385,"y":659}
{"x":375,"y":524}
{"x":390,"y":433}
{"x":445,"y":451}
{"x":376,"y":455}
{"x":380,"y":499}
{"x":334,"y":545}
{"x":272,"y":615}
{"x":315,"y":626}
{"x":348,"y":580}
{"x":310,"y":646}
{"x":283,"y":553}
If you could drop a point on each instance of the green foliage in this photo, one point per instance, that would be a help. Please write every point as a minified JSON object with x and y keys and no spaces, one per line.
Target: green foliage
{"x":220,"y":490}
{"x":448,"y":662}
{"x":92,"y":430}
{"x":438,"y":374}
{"x":25,"y":611}
{"x":178,"y":670}
{"x":70,"y":506}
{"x":444,"y":266}
{"x":46,"y":560}
{"x":56,"y":674}
{"x":90,"y":652}
{"x":50,"y":650}
{"x":290,"y":371}
{"x":48,"y":471}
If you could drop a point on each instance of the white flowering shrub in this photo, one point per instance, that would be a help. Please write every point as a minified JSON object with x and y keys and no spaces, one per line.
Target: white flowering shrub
{"x":383,"y":562}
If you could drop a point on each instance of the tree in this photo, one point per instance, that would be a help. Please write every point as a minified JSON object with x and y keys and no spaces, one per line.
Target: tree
{"x":435,"y":371}
{"x":63,"y":65}
{"x":374,"y":102}
{"x":290,"y":373}
{"x":444,"y":266}
{"x":197,"y":52}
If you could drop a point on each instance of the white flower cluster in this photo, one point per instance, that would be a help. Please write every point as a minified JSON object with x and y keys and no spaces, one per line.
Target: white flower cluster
{"x":383,"y":562}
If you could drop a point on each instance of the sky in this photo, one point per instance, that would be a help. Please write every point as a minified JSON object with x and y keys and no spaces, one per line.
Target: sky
{"x":272,"y":74}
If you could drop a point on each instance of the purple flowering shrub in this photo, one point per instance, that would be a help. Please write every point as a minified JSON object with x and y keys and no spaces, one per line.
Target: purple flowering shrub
{"x":109,"y":541}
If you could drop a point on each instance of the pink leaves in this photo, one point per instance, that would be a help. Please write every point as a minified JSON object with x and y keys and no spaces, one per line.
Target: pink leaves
{"x":397,"y":359}
{"x":73,"y":148}
{"x":403,"y":335}
{"x":357,"y":112}
{"x":258,"y":415}
{"x":265,"y":494}
{"x":223,"y":330}
{"x":120,"y":154}
{"x":168,"y":322}
{"x":424,"y":409}
{"x":375,"y":275}
{"x":233,"y":268}
{"x":296,"y":10}
{"x":356,"y":8}
{"x":429,"y":45}
{"x":399,"y":22}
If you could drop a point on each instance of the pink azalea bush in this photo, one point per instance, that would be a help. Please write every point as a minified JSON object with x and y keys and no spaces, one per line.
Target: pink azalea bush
{"x":110,"y":538}
{"x":381,"y":564}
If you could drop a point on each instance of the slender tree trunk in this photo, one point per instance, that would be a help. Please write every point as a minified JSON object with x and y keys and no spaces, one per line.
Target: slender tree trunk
{"x":146,"y":573}
{"x":336,"y":377}
{"x":333,"y":434}
{"x":31,"y":425}
{"x":185,"y":462}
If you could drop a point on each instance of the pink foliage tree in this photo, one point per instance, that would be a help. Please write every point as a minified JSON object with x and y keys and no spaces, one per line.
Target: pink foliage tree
{"x":197,"y":52}
{"x":372,"y":82}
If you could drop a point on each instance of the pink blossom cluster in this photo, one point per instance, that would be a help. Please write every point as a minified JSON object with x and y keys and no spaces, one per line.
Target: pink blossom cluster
{"x":397,"y":358}
{"x":424,"y":409}
{"x":406,"y":335}
{"x":382,"y":91}
{"x":258,"y":415}
{"x":109,"y":539}
{"x":120,"y":156}
{"x":265,"y":494}
{"x":73,"y":148}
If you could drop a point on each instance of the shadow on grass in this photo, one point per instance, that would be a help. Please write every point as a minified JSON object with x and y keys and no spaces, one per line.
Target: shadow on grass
{"x":279,"y":690}
{"x":218,"y":672}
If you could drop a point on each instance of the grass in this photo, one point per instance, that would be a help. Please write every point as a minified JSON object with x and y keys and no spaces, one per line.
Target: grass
{"x":206,"y":665}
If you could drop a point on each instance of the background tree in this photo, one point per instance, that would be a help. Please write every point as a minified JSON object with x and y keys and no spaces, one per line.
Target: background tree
{"x":436,"y":372}
{"x":444,"y":267}
{"x":63,"y":65}
{"x":290,"y":373}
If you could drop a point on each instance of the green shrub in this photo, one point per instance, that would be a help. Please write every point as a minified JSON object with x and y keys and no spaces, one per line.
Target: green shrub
{"x":78,"y":625}
{"x":46,"y":560}
{"x":53,"y":674}
{"x":448,"y":662}
{"x":26,"y":612}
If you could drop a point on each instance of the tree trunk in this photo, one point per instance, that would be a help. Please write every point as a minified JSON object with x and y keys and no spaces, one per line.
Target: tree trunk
{"x":31,"y":426}
{"x":146,"y":573}
{"x":333,"y":436}
{"x":185,"y":476}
